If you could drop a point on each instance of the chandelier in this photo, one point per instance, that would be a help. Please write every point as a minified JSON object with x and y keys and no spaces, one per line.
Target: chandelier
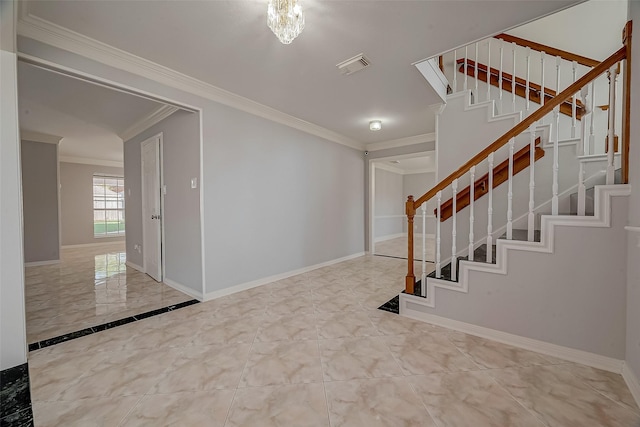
{"x":286,"y":19}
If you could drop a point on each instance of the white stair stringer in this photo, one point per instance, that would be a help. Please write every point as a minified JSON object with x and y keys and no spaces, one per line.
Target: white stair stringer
{"x":531,"y":302}
{"x":601,"y":218}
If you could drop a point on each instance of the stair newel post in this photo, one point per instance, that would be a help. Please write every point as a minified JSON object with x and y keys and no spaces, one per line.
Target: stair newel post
{"x":489,"y":70}
{"x":513,"y":77}
{"x":574,"y":103}
{"x":466,"y":62}
{"x":510,"y":191}
{"x":490,"y":212}
{"x":592,"y":137}
{"x":423,"y":276}
{"x":455,"y":71}
{"x":410,"y":280}
{"x":472,"y":174}
{"x":454,"y":231}
{"x":500,"y":77}
{"x":438,"y":265}
{"x":612,"y":74}
{"x":532,"y":183}
{"x":556,"y":121}
{"x":528,"y":82}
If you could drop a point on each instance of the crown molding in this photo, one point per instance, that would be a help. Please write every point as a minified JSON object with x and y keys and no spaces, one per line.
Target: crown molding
{"x":88,"y":161}
{"x":402,"y":142}
{"x":156,"y":116}
{"x":38,"y":29}
{"x":28,"y":135}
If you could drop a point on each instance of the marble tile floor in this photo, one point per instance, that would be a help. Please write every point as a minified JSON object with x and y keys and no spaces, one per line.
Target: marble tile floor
{"x":397,"y":248}
{"x":90,"y":286}
{"x":313,"y":350}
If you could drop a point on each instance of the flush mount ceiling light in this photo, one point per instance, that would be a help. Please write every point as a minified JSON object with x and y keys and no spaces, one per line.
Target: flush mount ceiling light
{"x":375,"y":125}
{"x":286,"y":19}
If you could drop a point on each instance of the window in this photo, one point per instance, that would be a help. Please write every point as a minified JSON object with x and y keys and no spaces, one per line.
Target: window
{"x":108,"y":206}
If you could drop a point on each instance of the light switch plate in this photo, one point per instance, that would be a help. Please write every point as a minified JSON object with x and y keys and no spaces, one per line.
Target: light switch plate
{"x":194,"y":182}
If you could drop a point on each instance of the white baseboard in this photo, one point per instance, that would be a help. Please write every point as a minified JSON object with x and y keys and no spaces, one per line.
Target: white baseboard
{"x":39,"y":263}
{"x":134,"y":266}
{"x":632,"y":382}
{"x":182,"y":288}
{"x":89,"y":245}
{"x":259,"y":282}
{"x":565,"y":353}
{"x":389,"y":237}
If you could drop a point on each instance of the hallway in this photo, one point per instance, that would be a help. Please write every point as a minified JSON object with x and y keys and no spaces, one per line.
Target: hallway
{"x":89,"y":287}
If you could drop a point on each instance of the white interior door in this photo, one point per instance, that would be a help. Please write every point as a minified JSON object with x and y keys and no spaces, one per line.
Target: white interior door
{"x":151,"y":212}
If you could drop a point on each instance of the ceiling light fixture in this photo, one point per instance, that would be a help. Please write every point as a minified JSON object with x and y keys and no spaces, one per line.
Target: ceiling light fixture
{"x":286,"y":19}
{"x":375,"y":125}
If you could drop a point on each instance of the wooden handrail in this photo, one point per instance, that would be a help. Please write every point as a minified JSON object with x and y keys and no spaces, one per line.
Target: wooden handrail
{"x":548,"y":50}
{"x":523,"y":125}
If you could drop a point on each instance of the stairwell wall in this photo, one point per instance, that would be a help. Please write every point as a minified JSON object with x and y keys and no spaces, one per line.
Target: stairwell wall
{"x":632,"y":356}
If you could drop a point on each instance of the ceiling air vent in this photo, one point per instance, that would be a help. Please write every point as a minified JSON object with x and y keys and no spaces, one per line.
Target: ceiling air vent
{"x":354,"y":64}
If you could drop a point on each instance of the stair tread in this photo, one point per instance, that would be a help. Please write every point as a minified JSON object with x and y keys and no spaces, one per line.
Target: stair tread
{"x":479,"y":255}
{"x":522,"y":235}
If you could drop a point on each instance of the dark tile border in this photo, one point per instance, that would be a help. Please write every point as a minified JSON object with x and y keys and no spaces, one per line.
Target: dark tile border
{"x":88,"y":331}
{"x":15,"y":395}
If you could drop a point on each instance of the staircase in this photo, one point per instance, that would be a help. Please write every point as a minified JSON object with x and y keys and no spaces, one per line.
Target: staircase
{"x":524,"y":227}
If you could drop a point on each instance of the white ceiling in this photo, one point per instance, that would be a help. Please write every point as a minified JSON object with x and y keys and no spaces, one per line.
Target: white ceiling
{"x":87,"y":116}
{"x":227,"y":44}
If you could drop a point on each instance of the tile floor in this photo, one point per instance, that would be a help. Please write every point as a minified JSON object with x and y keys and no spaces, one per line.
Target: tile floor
{"x":89,"y":287}
{"x":398,"y":248}
{"x":312,"y":350}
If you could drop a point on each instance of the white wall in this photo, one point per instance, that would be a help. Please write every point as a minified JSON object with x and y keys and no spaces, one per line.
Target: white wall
{"x":76,"y":203}
{"x":13,"y":339}
{"x":181,"y":215}
{"x":389,"y":203}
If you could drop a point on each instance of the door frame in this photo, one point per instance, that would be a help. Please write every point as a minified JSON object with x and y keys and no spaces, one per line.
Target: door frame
{"x":159,"y":137}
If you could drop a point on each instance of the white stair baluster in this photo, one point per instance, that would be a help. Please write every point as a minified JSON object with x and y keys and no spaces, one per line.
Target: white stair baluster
{"x":513,"y":78}
{"x":423,"y":277}
{"x":581,"y":190}
{"x":526,"y":95}
{"x":532,"y":183}
{"x":455,"y":71}
{"x":489,"y":70}
{"x":476,"y":96}
{"x":510,"y":192}
{"x":438,"y":266}
{"x":542,"y":94}
{"x":556,"y":115}
{"x":612,"y":125}
{"x":592,"y":137}
{"x":466,"y":63}
{"x":501,"y":106}
{"x":454,"y":232}
{"x":472,"y":174}
{"x":574,"y":102}
{"x":490,"y":212}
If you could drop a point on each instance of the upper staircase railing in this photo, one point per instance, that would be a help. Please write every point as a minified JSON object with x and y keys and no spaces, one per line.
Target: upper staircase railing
{"x":550,"y":107}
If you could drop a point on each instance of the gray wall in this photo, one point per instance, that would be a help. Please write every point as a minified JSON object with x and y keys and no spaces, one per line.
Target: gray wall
{"x":276,"y":199}
{"x":389,"y":201}
{"x":633,"y":244}
{"x":13,"y":337}
{"x":181,"y":215}
{"x":76,"y":203}
{"x":40,"y":201}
